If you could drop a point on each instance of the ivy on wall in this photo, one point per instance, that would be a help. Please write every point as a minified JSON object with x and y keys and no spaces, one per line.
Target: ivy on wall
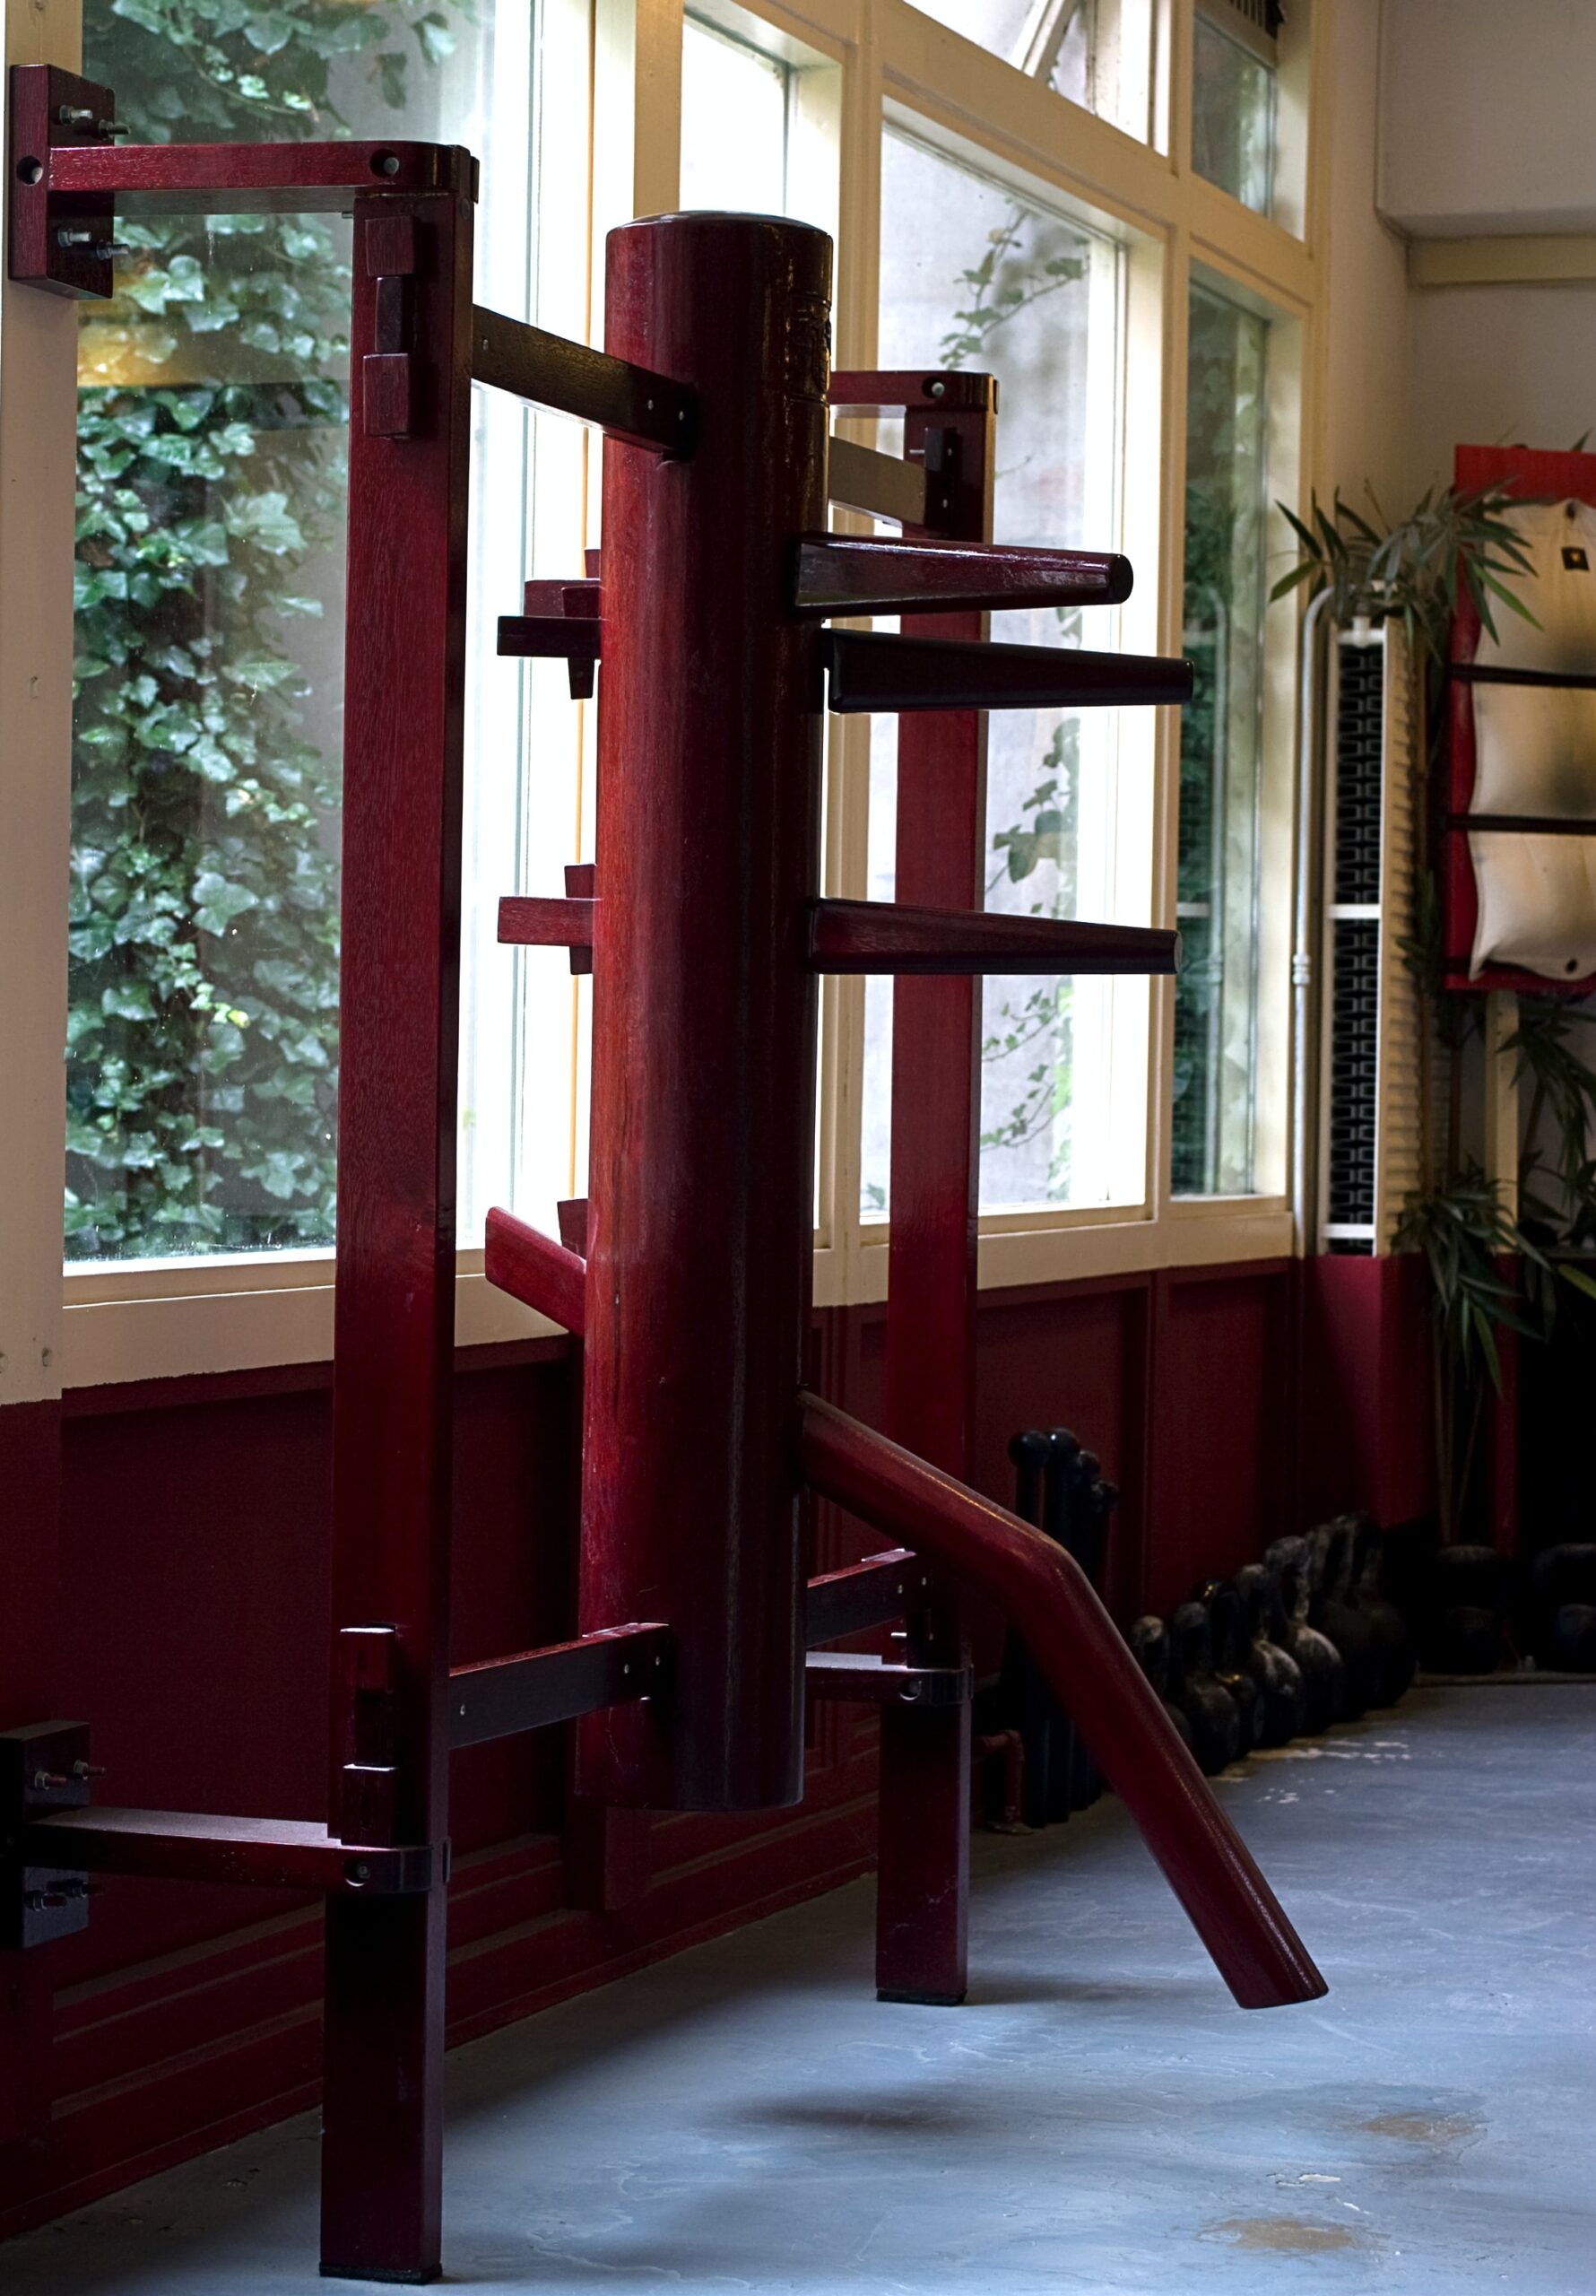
{"x":202,"y":1046}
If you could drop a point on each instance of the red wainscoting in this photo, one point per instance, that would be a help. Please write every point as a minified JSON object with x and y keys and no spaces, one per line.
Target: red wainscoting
{"x":194,"y":1599}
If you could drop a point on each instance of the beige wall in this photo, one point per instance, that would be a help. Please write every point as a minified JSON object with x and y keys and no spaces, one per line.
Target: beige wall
{"x":1367,"y":395}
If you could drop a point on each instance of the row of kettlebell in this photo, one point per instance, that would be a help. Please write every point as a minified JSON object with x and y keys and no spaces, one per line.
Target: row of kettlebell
{"x":1304,"y":1638}
{"x":1479,"y":1607}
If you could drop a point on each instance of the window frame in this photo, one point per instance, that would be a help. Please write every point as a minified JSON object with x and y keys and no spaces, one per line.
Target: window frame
{"x":104,"y":1323}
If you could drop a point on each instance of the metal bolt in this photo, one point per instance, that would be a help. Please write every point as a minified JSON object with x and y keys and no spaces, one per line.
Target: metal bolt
{"x":44,"y":1781}
{"x":936,"y":387}
{"x":73,"y":115}
{"x":29,"y":171}
{"x":111,"y":128}
{"x":87,"y":1770}
{"x":357,"y":1872}
{"x":65,"y":239}
{"x":385,"y":163}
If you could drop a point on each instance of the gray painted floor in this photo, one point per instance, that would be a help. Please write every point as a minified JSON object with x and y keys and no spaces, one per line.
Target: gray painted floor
{"x":1098,"y":2117}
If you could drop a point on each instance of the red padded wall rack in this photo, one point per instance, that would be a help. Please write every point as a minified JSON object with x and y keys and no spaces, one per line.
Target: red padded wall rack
{"x":686,"y":1276}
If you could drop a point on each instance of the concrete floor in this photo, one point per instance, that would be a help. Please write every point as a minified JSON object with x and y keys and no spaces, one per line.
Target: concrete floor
{"x":1098,"y":2118}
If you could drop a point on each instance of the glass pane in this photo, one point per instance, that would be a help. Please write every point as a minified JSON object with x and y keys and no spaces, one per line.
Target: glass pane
{"x":1097,"y":52}
{"x":201,"y":1059}
{"x":974,"y":276}
{"x":733,"y":125}
{"x":1216,"y":1003}
{"x":1233,"y":117}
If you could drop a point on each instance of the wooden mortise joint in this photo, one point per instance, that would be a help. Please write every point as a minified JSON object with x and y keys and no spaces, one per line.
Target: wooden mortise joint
{"x":560,"y":623}
{"x":387,"y":377}
{"x":368,"y":1776}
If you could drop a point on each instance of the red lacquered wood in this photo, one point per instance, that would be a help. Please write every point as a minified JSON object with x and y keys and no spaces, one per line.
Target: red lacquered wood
{"x":888,"y":937}
{"x":1075,"y":1643}
{"x":923,"y":1892}
{"x":39,"y":93}
{"x":31,"y":1475}
{"x":253,"y":1853}
{"x":549,"y":637}
{"x":501,"y":1697}
{"x":861,"y":1594}
{"x":899,"y":390}
{"x":254,"y":179}
{"x":699,"y":1204}
{"x":394,"y":1335}
{"x":871,"y":671}
{"x":860,"y":574}
{"x":532,"y":1268}
{"x":539,"y":921}
{"x":860,"y":479}
{"x":627,"y":401}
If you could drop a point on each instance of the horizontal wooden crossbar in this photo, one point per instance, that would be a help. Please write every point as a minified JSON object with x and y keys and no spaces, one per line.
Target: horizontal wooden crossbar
{"x":249,"y":179}
{"x":624,"y":400}
{"x":869,"y":670}
{"x":190,"y":1845}
{"x":881,"y":574}
{"x":882,"y":485}
{"x":856,"y":1678}
{"x":551,"y":637}
{"x":883,"y":936}
{"x":532,"y":1268}
{"x":501,"y":1697}
{"x":545,"y":921}
{"x":863,"y":1594}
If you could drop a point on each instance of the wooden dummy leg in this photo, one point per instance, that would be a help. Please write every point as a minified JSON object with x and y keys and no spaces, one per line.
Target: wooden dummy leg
{"x":393,"y":1348}
{"x":922,"y":1885}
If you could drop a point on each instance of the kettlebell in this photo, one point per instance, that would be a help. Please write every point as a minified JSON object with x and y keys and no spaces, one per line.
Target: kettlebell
{"x":1318,"y":1661}
{"x":1563,"y":1589}
{"x":1275,"y":1671}
{"x":1394,"y":1658}
{"x":1150,"y":1646}
{"x":1207,"y":1705}
{"x":1466,"y":1613}
{"x":1228,"y":1644}
{"x":1332,"y":1611}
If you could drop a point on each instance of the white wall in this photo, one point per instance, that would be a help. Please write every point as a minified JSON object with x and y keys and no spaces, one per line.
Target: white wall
{"x":1486,"y":117}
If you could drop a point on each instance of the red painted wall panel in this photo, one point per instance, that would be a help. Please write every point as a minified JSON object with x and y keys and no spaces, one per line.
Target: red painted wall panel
{"x":195,"y":1536}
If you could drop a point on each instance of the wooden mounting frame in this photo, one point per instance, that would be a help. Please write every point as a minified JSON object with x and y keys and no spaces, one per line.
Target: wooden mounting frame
{"x":717,"y":471}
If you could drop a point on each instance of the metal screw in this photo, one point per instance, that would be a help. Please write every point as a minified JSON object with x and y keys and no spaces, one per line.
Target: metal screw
{"x":357,"y":1872}
{"x":385,"y":163}
{"x":45,"y":1780}
{"x":87,"y":1770}
{"x":111,"y":128}
{"x":29,"y":171}
{"x":936,"y":387}
{"x":73,"y":115}
{"x":74,"y":239}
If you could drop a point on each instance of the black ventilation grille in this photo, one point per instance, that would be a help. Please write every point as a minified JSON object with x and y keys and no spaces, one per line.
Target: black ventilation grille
{"x":1354,"y":1050}
{"x":1360,"y":719}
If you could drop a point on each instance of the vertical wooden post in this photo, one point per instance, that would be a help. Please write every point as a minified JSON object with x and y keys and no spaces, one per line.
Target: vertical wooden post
{"x":699,"y":1197}
{"x":922,"y":1888}
{"x":393,"y":1376}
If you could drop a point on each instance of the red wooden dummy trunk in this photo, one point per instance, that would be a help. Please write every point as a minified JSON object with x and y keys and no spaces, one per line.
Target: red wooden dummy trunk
{"x":687,"y":1274}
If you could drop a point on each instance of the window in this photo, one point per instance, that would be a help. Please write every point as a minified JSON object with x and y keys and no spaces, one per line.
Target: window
{"x":978,"y":274}
{"x":979,"y":219}
{"x":202,"y":1076}
{"x":1217,"y":996}
{"x":1232,"y":98}
{"x":1098,"y":53}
